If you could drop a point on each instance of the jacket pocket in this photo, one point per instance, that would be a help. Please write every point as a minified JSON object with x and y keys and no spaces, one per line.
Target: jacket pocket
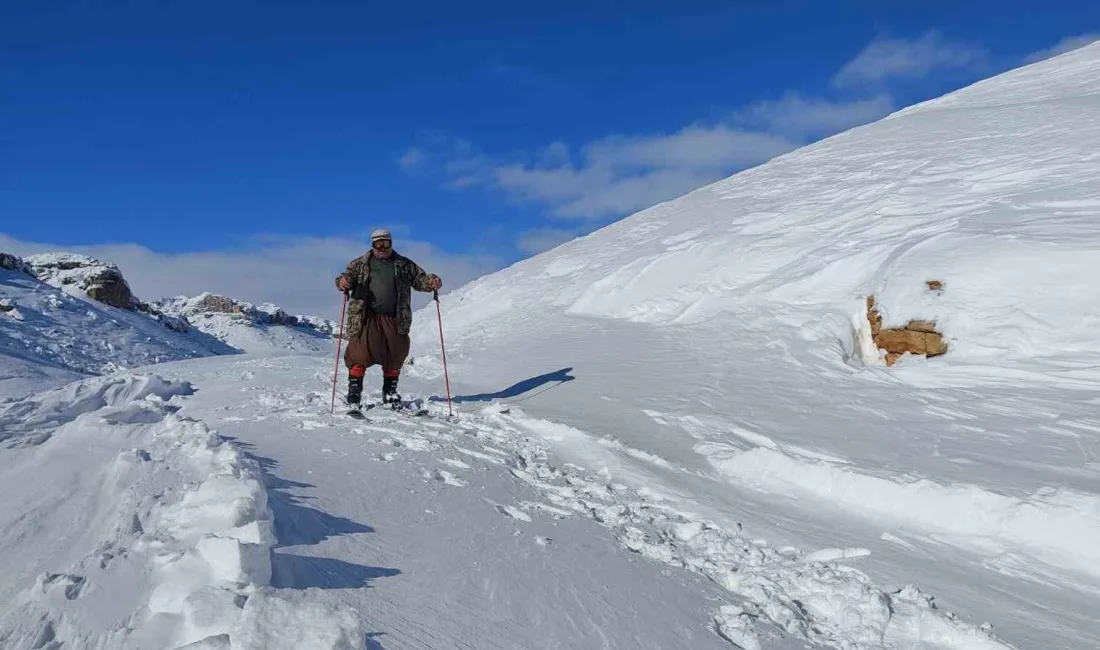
{"x":355,"y":317}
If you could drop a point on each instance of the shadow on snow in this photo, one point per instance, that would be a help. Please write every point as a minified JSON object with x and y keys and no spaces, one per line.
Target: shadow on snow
{"x":556,"y":378}
{"x":298,"y":524}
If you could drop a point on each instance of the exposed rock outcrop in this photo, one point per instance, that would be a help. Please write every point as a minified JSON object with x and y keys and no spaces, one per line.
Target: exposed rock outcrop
{"x":101,"y":281}
{"x":207,"y":305}
{"x":13,"y":263}
{"x":104,"y":282}
{"x":918,"y":337}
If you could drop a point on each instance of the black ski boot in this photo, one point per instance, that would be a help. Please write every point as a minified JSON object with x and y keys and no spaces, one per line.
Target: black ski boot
{"x":355,"y":391}
{"x":390,"y":395}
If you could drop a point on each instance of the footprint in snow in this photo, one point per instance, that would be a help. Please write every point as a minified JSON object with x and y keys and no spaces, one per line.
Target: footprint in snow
{"x":70,"y":585}
{"x":514,"y":513}
{"x":448,"y":478}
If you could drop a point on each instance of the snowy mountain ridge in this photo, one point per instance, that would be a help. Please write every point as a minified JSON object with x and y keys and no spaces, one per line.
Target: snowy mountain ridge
{"x":103,"y":282}
{"x":49,"y":336}
{"x":67,"y":315}
{"x":249,"y":327}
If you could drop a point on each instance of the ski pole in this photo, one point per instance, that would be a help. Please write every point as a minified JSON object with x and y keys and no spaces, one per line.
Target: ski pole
{"x":443,"y":348}
{"x":339,"y":344}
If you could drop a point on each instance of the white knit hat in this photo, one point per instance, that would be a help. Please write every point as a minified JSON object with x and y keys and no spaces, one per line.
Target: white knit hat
{"x":381,"y":233}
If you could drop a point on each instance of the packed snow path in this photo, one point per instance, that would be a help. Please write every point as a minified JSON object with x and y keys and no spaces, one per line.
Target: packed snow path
{"x":402,"y":532}
{"x":474,"y":530}
{"x":419,"y":525}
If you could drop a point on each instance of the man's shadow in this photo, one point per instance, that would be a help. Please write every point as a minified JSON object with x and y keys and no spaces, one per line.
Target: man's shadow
{"x":298,"y":524}
{"x":554,"y":379}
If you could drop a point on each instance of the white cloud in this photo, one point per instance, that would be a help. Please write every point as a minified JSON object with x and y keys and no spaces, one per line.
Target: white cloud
{"x":801,"y":118}
{"x":617,"y":174}
{"x":411,"y":160}
{"x":1061,"y":47}
{"x":295,"y":273}
{"x":889,"y":58}
{"x":540,"y":240}
{"x":694,"y":147}
{"x":592,"y":193}
{"x":620,"y":174}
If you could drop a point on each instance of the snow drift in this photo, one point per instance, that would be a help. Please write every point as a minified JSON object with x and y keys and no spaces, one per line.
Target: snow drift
{"x":128,"y":526}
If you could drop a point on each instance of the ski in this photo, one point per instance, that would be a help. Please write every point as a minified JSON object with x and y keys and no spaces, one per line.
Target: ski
{"x":404,"y":408}
{"x":357,"y":411}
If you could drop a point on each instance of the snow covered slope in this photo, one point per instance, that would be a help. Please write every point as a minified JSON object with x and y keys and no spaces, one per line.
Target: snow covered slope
{"x":65,"y":316}
{"x":49,"y":337}
{"x":670,"y":433}
{"x":715,"y":349}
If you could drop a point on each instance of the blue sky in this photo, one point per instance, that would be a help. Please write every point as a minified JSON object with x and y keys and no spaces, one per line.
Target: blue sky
{"x":174,"y":135}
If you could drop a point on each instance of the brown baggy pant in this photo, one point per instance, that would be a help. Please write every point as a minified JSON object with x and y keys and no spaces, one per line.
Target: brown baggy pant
{"x":379,"y":343}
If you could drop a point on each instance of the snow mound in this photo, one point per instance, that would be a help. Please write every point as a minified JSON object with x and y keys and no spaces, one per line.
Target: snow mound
{"x":156,"y":510}
{"x":1057,"y":526}
{"x":33,"y":419}
{"x":251,"y":328}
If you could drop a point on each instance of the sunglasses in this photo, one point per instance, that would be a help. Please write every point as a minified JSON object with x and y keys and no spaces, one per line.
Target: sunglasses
{"x":381,"y":244}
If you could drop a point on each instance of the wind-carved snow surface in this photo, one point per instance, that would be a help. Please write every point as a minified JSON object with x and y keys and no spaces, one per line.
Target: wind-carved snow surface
{"x":809,"y":596}
{"x":722,"y":357}
{"x":125,"y":525}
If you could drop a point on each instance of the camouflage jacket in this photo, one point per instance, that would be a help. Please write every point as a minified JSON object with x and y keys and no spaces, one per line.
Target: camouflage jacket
{"x":409,"y":277}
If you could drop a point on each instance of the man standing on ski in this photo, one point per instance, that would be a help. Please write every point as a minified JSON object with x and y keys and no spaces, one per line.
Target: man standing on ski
{"x":379,"y":286}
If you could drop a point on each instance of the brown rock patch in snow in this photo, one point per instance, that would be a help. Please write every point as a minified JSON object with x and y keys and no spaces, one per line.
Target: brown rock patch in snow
{"x":917,"y":337}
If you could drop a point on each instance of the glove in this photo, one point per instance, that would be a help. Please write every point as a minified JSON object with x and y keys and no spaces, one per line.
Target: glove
{"x":343,"y":284}
{"x":434,"y":283}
